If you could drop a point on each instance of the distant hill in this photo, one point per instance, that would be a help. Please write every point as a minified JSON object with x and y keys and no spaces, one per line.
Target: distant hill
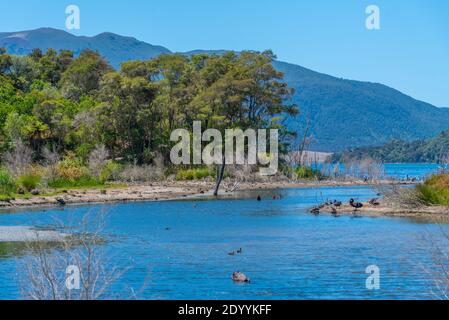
{"x":419,"y":151}
{"x":114,"y":47}
{"x":347,"y":113}
{"x":343,"y":113}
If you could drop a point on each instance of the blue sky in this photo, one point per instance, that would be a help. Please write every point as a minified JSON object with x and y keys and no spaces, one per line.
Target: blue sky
{"x":410,"y":52}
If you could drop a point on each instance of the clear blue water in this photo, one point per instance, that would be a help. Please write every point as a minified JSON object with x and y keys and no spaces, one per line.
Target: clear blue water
{"x":287,"y":252}
{"x":411,"y":170}
{"x":400,"y":171}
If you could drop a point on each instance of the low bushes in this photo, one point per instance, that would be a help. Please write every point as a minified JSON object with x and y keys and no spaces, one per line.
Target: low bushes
{"x":194,"y":174}
{"x":29,"y":181}
{"x":7,"y":184}
{"x":71,"y":169}
{"x":307,"y":173}
{"x":435,"y":190}
{"x":72,"y":173}
{"x":111,"y":171}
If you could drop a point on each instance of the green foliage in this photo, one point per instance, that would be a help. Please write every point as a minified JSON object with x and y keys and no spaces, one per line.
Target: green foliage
{"x":435,"y":190}
{"x":83,"y":75}
{"x":29,"y":181}
{"x":194,"y":174}
{"x":308,"y":173}
{"x":71,"y":173}
{"x":53,"y":101}
{"x":111,"y":171}
{"x":23,"y":71}
{"x":71,"y":169}
{"x":81,"y":182}
{"x":5,"y":61}
{"x":7,"y":184}
{"x":419,"y":151}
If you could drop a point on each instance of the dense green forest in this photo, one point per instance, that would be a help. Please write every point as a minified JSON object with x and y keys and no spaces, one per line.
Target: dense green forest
{"x":434,"y":150}
{"x":66,"y":110}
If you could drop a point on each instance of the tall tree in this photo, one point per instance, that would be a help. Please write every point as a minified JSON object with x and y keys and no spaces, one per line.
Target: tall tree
{"x":127,"y":115}
{"x":5,"y":61}
{"x":245,"y":91}
{"x":83,"y":75}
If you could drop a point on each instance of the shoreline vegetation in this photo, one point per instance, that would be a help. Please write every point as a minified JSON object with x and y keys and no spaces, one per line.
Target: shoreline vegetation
{"x":422,"y":201}
{"x":73,"y":130}
{"x":202,"y":189}
{"x":154,"y":191}
{"x":428,"y":199}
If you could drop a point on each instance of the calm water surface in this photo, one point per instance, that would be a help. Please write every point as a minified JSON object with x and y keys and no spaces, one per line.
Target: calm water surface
{"x":288,"y":253}
{"x":411,"y":170}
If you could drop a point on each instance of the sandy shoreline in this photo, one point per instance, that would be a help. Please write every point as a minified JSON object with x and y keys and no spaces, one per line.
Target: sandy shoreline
{"x":160,"y":191}
{"x":157,"y":191}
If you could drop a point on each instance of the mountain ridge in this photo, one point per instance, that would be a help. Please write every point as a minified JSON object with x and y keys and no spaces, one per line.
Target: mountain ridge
{"x":342,"y":113}
{"x":432,"y":150}
{"x":115,"y":47}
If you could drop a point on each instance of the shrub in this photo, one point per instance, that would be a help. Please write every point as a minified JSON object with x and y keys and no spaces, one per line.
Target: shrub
{"x":194,"y":174}
{"x":70,"y":169}
{"x":307,"y":173}
{"x":435,"y":189}
{"x":111,"y":171}
{"x":7,"y":185}
{"x":70,"y":173}
{"x":29,"y":181}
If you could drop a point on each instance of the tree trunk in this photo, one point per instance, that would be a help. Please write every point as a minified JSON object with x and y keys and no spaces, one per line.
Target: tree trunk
{"x":220,"y":175}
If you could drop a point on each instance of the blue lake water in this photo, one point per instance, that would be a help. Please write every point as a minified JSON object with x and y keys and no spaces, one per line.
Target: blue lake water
{"x":411,"y":170}
{"x":287,"y":252}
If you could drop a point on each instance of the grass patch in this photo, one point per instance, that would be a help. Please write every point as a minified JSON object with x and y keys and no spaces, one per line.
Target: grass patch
{"x":435,"y":190}
{"x":29,"y":181}
{"x":308,"y":173}
{"x":8,"y":249}
{"x":82,"y":182}
{"x":194,"y":174}
{"x":7,"y":183}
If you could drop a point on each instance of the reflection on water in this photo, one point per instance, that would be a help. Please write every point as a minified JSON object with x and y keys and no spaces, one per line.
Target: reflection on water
{"x":11,"y":249}
{"x":287,"y":253}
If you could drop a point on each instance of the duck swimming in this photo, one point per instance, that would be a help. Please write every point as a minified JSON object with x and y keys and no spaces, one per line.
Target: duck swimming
{"x":240,"y":277}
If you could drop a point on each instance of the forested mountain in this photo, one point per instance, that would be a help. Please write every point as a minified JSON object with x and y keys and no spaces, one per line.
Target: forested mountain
{"x":114,"y":47}
{"x":345,"y":114}
{"x":342,"y":113}
{"x":432,"y":150}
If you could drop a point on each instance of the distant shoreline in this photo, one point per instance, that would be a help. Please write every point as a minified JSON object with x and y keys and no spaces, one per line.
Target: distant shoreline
{"x":162,"y":191}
